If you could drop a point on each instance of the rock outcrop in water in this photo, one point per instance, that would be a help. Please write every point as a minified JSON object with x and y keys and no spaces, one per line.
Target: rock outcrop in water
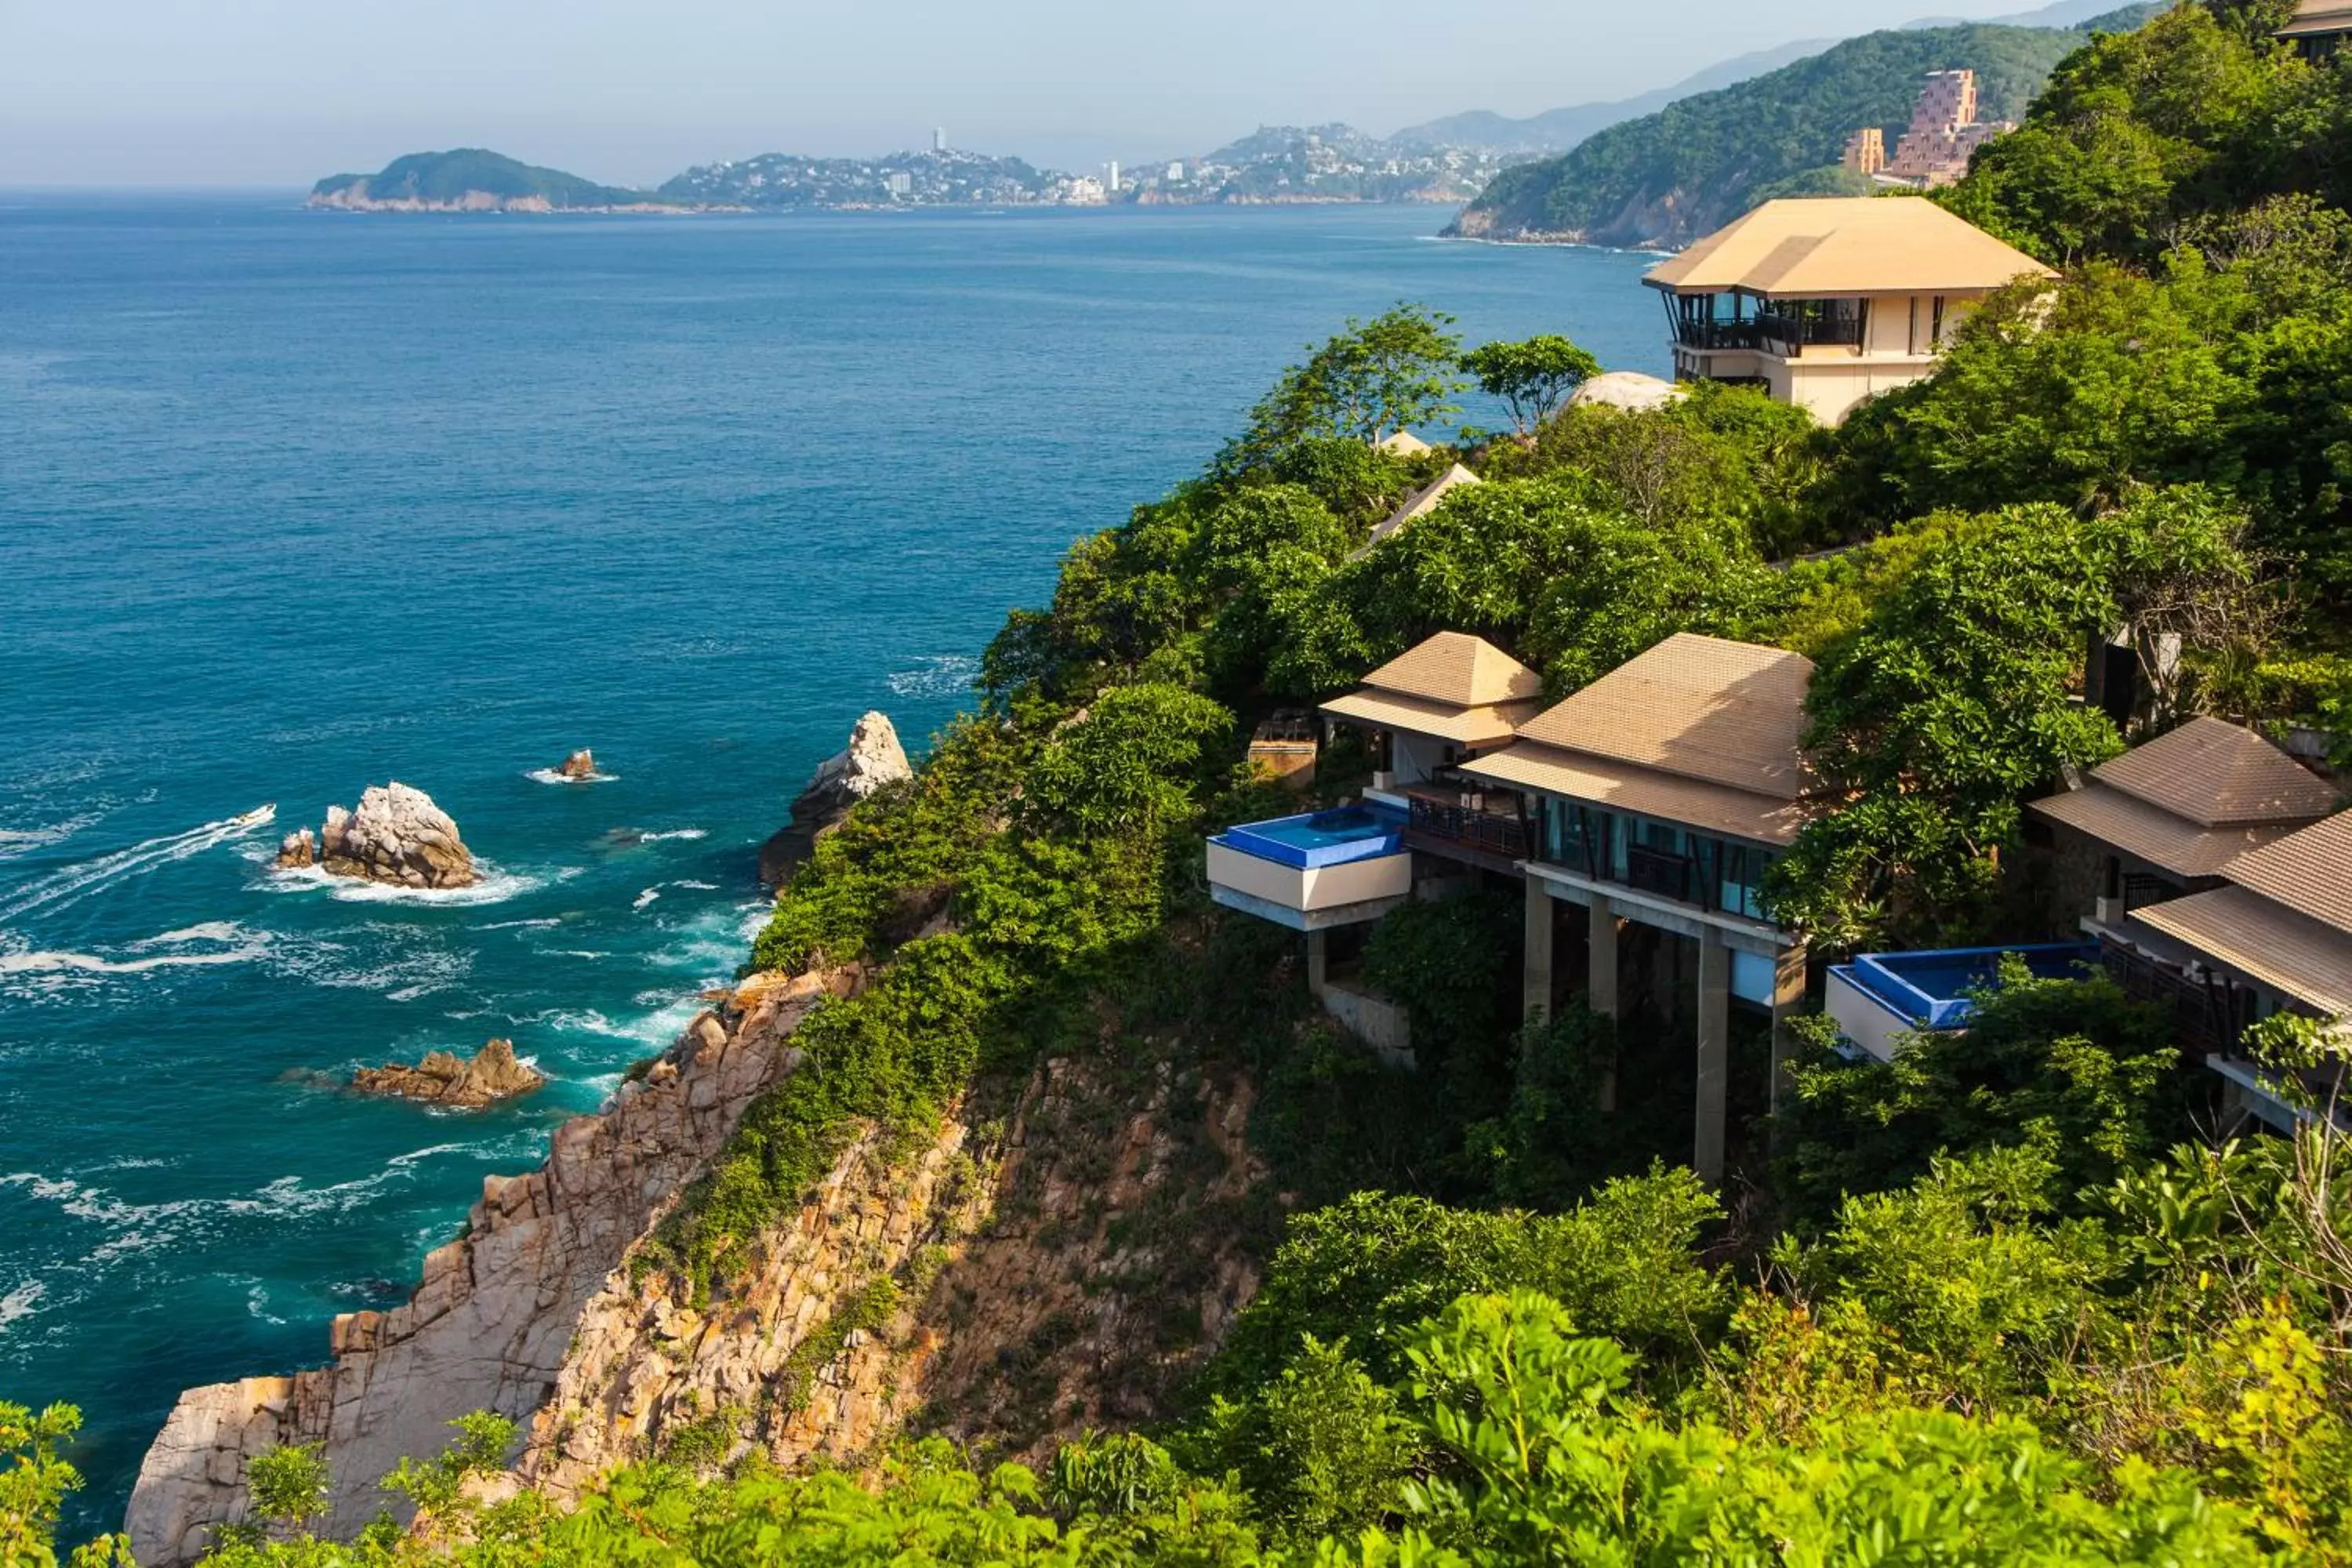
{"x":873,"y":758}
{"x":444,"y":1079}
{"x":396,"y":835}
{"x":579,"y":767}
{"x":297,"y":850}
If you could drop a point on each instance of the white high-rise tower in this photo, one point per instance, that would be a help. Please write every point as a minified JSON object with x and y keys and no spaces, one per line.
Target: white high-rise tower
{"x":939,"y":139}
{"x":1113,"y":182}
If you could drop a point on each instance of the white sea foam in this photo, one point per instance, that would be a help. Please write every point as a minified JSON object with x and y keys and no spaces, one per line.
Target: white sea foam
{"x":16,"y":841}
{"x":20,"y":1302}
{"x":69,"y":885}
{"x":686,"y":833}
{"x":521,"y":925}
{"x":697,"y":886}
{"x":647,"y":897}
{"x":936,"y":675}
{"x":228,"y":943}
{"x":492,"y":885}
{"x":551,"y":777}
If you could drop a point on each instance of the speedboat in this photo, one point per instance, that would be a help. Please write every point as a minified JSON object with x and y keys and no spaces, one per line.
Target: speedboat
{"x":259,"y":817}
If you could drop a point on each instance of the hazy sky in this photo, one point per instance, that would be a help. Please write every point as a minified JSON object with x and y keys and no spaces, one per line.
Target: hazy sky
{"x":282,"y":91}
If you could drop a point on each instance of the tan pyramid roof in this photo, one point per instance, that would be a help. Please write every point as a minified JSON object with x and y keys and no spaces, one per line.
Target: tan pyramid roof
{"x":1703,"y":708}
{"x":1402,"y":444}
{"x":2214,"y":773}
{"x":1458,"y":668}
{"x":1819,"y":246}
{"x":2309,"y":872}
{"x":1454,"y":686}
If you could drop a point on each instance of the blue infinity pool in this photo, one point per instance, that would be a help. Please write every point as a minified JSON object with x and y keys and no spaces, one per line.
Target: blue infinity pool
{"x":1933,"y":988}
{"x":1320,"y":838}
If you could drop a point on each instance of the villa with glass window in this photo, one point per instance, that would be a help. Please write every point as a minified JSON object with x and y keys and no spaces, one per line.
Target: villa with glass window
{"x":1825,"y":301}
{"x":1659,"y":796}
{"x":2215,"y":874}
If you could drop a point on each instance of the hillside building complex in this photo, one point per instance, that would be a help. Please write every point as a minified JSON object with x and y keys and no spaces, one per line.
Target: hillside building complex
{"x":1866,"y":151}
{"x":1824,"y":301}
{"x":1942,"y":135}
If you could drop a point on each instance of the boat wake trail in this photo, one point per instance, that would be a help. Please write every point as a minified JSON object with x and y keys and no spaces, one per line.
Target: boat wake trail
{"x":74,"y":883}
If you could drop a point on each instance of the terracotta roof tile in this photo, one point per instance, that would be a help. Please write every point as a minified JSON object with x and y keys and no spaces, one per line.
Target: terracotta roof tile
{"x":1722,"y":712}
{"x":2309,"y":871}
{"x":2213,"y":774}
{"x":2153,"y":835}
{"x":2249,"y":933}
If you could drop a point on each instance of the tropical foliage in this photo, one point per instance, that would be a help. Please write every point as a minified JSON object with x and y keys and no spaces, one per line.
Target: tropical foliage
{"x":2000,"y":1299}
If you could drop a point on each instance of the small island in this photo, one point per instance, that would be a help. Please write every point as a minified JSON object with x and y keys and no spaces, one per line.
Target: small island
{"x":474,"y":180}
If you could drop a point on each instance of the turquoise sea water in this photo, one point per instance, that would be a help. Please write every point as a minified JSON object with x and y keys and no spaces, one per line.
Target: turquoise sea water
{"x":292,"y":503}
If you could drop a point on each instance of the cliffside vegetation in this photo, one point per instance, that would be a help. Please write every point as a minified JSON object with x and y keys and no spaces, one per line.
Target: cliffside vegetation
{"x":1995,"y":1302}
{"x":1670,"y":177}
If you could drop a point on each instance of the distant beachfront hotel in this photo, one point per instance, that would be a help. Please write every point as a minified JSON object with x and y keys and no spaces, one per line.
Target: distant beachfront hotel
{"x":1823,"y":302}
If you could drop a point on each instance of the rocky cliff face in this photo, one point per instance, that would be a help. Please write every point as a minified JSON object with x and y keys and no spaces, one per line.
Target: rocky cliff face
{"x":1021,"y":1277}
{"x":1056,"y":1258}
{"x":491,"y":1323}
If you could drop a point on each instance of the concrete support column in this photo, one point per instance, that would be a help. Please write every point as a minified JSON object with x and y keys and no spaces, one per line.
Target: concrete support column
{"x":1542,"y":921}
{"x":1714,"y":1056}
{"x":1788,"y":1001}
{"x":1318,"y":961}
{"x":1601,"y":948}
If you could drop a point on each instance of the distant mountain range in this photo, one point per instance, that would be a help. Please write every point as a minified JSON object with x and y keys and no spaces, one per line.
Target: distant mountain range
{"x":1666,"y":178}
{"x":1486,"y":159}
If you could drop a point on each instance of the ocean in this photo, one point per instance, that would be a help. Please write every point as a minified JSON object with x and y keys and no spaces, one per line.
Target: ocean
{"x":292,"y":503}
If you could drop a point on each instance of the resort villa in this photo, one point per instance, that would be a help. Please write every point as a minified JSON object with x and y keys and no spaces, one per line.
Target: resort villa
{"x":2212,"y":875}
{"x":2209,"y":870}
{"x":1660,"y":796}
{"x":1823,"y":302}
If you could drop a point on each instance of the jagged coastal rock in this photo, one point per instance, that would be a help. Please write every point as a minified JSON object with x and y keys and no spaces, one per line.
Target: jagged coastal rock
{"x":296,"y":851}
{"x":444,"y":1079}
{"x":396,"y":835}
{"x":872,"y":759}
{"x":580,"y":765}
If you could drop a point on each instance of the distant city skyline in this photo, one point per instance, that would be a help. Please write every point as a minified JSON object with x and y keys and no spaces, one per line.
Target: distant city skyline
{"x":281,"y":93}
